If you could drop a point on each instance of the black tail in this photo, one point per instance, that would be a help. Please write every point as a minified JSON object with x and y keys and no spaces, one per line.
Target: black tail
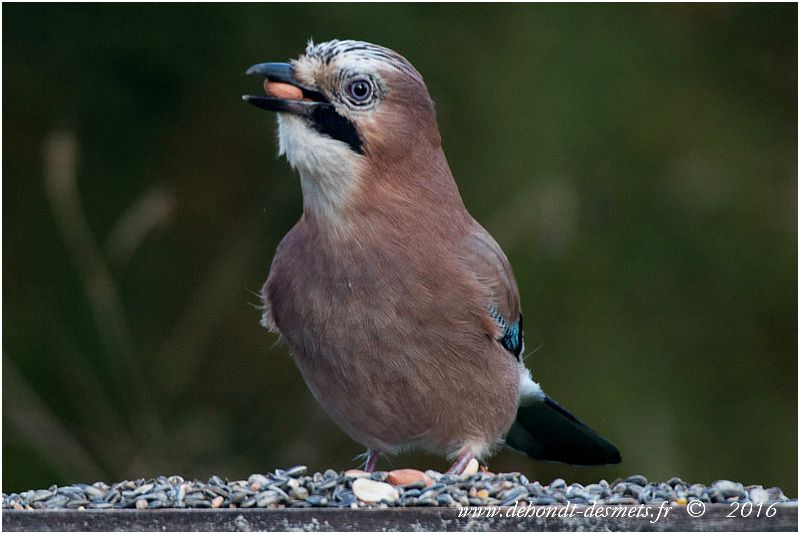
{"x":545,"y":430}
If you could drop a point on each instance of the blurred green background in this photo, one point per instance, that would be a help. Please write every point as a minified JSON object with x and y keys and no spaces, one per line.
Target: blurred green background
{"x":638,"y":164}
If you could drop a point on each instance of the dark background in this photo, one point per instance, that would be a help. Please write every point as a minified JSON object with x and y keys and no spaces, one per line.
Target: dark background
{"x":638,"y":164}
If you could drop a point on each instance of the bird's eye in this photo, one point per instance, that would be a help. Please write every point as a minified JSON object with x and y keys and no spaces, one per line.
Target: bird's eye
{"x":359,"y":91}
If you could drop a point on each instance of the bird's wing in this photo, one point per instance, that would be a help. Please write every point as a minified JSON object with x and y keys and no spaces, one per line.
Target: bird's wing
{"x":490,"y":267}
{"x":543,"y":428}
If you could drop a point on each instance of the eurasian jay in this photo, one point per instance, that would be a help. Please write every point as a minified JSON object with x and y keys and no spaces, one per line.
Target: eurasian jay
{"x":401,"y":311}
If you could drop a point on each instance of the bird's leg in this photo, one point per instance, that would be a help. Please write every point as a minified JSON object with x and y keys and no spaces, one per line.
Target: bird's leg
{"x":463,"y":459}
{"x":372,"y":460}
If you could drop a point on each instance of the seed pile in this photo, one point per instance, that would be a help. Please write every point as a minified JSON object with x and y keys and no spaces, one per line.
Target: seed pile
{"x":294,"y":488}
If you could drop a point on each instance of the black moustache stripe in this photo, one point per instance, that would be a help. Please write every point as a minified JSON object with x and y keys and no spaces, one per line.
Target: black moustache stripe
{"x":325,"y":120}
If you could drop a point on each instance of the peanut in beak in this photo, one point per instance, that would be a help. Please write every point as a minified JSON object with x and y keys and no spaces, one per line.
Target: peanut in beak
{"x":283,"y":90}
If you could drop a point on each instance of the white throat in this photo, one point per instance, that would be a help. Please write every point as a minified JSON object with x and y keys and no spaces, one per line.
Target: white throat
{"x":328,"y":168}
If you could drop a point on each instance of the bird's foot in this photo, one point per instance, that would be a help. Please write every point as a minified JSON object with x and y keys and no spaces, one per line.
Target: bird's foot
{"x":461,"y":463}
{"x":371,"y":461}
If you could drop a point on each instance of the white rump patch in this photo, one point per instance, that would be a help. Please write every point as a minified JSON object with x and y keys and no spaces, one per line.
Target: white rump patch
{"x":529,"y":391}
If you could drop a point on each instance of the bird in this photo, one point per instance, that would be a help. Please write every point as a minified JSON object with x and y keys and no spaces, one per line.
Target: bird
{"x":400,"y":310}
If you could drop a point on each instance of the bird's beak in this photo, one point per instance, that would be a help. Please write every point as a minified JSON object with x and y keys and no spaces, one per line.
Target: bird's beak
{"x":297,"y":98}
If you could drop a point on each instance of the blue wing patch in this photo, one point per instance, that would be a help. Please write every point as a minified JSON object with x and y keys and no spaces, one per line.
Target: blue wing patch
{"x":510,"y":334}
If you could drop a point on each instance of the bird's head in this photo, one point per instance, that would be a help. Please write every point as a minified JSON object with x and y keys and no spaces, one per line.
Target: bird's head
{"x":347,"y":109}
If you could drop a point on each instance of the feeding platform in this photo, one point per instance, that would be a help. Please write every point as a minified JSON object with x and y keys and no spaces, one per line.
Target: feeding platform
{"x":400,"y":500}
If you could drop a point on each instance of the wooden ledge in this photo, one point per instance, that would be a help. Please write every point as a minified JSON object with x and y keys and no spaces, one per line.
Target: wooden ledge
{"x":715,"y":518}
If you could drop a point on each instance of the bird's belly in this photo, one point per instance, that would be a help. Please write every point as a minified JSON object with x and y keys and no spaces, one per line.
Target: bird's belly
{"x":390,"y":378}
